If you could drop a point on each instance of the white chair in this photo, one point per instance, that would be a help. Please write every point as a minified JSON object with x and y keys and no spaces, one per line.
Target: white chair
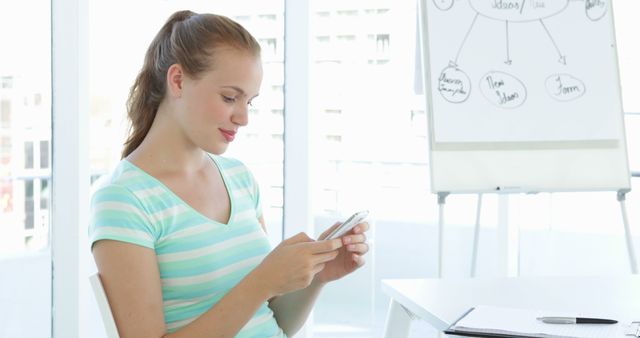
{"x":103,"y":305}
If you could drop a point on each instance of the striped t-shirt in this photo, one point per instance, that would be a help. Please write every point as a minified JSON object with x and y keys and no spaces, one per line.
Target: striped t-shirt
{"x":200,"y":260}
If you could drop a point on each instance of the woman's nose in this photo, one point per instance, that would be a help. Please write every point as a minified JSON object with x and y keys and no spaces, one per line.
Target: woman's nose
{"x":241,"y":116}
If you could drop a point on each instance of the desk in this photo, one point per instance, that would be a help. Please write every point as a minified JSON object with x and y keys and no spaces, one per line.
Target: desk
{"x":440,"y":302}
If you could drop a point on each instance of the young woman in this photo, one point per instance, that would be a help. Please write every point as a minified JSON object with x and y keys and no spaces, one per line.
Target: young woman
{"x":177,"y":231}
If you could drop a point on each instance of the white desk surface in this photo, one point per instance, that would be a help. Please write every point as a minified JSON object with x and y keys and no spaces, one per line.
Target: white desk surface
{"x":441,"y":302}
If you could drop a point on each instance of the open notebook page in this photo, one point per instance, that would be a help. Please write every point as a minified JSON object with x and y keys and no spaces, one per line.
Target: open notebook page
{"x":489,"y":319}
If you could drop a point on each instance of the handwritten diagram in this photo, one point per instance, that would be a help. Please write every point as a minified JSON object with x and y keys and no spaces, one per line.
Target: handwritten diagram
{"x":502,"y":88}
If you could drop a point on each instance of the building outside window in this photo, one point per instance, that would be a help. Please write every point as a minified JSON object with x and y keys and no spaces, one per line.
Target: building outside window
{"x":28,"y":155}
{"x":44,"y":154}
{"x":25,"y":120}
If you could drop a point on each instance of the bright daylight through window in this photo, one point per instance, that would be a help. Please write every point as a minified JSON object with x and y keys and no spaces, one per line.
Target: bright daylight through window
{"x":25,"y":168}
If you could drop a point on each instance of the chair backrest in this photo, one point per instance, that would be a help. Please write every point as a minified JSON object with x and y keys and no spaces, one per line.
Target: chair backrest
{"x":103,"y":305}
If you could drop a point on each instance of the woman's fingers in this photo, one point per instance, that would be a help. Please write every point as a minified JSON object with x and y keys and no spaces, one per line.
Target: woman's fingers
{"x":359,"y":249}
{"x":323,"y":246}
{"x":358,"y":259}
{"x":324,"y":257}
{"x":353,"y":239}
{"x":328,"y":231}
{"x":361,"y":228}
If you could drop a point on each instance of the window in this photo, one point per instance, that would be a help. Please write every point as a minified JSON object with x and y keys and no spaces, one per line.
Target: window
{"x":276,"y":196}
{"x":44,"y":194}
{"x":6,"y":82}
{"x":323,"y":39}
{"x":359,"y":131}
{"x":267,"y":17}
{"x":334,"y":138}
{"x":330,"y":200}
{"x":28,"y":155}
{"x":347,"y":12}
{"x":242,"y":19}
{"x":44,"y":154}
{"x":28,"y":205}
{"x":382,"y":42}
{"x":25,"y":255}
{"x":269,"y":46}
{"x":5,"y":150}
{"x":419,"y":122}
{"x":6,"y":194}
{"x":5,"y":113}
{"x":346,"y":37}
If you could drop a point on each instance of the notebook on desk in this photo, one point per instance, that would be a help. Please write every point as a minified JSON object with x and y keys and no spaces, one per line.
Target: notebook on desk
{"x":489,"y":321}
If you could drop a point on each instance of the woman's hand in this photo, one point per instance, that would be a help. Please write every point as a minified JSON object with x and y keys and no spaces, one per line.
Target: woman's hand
{"x":294,"y":263}
{"x":350,"y":256}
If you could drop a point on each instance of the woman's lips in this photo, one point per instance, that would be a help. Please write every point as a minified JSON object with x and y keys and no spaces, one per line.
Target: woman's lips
{"x":229,"y":135}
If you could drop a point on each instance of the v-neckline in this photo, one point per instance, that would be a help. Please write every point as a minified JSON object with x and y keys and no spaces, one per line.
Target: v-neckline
{"x":183,"y":202}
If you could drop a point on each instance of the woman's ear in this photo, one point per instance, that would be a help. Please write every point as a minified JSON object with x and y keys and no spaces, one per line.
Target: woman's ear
{"x":175,"y":78}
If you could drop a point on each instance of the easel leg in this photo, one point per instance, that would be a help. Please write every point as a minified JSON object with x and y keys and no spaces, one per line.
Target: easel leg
{"x":442,"y":196}
{"x":627,"y":232}
{"x":508,"y":240}
{"x":476,"y":236}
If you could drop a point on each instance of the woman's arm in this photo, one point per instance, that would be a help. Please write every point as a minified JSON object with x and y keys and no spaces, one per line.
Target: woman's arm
{"x":131,"y":280}
{"x":292,"y":309}
{"x":132,"y":283}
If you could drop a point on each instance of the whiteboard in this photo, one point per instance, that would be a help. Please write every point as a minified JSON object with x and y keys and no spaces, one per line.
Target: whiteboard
{"x":522,"y":96}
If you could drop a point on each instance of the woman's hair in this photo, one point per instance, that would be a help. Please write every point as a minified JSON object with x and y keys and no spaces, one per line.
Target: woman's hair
{"x":190,"y":40}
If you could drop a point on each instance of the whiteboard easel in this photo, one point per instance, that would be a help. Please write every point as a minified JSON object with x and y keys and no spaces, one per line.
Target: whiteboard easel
{"x":505,"y":85}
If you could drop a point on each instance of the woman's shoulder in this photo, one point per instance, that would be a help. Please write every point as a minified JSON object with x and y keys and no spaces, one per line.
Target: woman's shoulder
{"x":124,"y":176}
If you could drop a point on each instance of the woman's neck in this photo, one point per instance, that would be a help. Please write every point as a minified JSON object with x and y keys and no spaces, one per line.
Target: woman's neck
{"x":167,"y":150}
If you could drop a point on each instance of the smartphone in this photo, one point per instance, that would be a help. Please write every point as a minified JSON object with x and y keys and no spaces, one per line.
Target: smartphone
{"x":347,"y":225}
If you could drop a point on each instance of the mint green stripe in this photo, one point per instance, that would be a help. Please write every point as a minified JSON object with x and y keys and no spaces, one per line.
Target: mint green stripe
{"x":185,"y":312}
{"x":124,"y":187}
{"x":202,"y":289}
{"x":214,"y":237}
{"x":211,"y":262}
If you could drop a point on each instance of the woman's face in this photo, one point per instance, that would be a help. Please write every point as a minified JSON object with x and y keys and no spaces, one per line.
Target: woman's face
{"x":214,"y":106}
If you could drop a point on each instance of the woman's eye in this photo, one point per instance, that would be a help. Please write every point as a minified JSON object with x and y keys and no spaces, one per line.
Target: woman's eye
{"x":228,"y":99}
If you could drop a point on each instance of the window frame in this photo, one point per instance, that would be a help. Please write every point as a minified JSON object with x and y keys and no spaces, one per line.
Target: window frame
{"x":69,"y":161}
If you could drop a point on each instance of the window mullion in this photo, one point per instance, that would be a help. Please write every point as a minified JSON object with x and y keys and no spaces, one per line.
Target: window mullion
{"x":70,"y":166}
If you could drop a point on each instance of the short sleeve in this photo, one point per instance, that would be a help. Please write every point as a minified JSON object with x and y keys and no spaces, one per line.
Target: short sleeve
{"x":117,"y":214}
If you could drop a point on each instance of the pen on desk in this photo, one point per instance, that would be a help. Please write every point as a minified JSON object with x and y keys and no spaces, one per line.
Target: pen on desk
{"x":575,"y":320}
